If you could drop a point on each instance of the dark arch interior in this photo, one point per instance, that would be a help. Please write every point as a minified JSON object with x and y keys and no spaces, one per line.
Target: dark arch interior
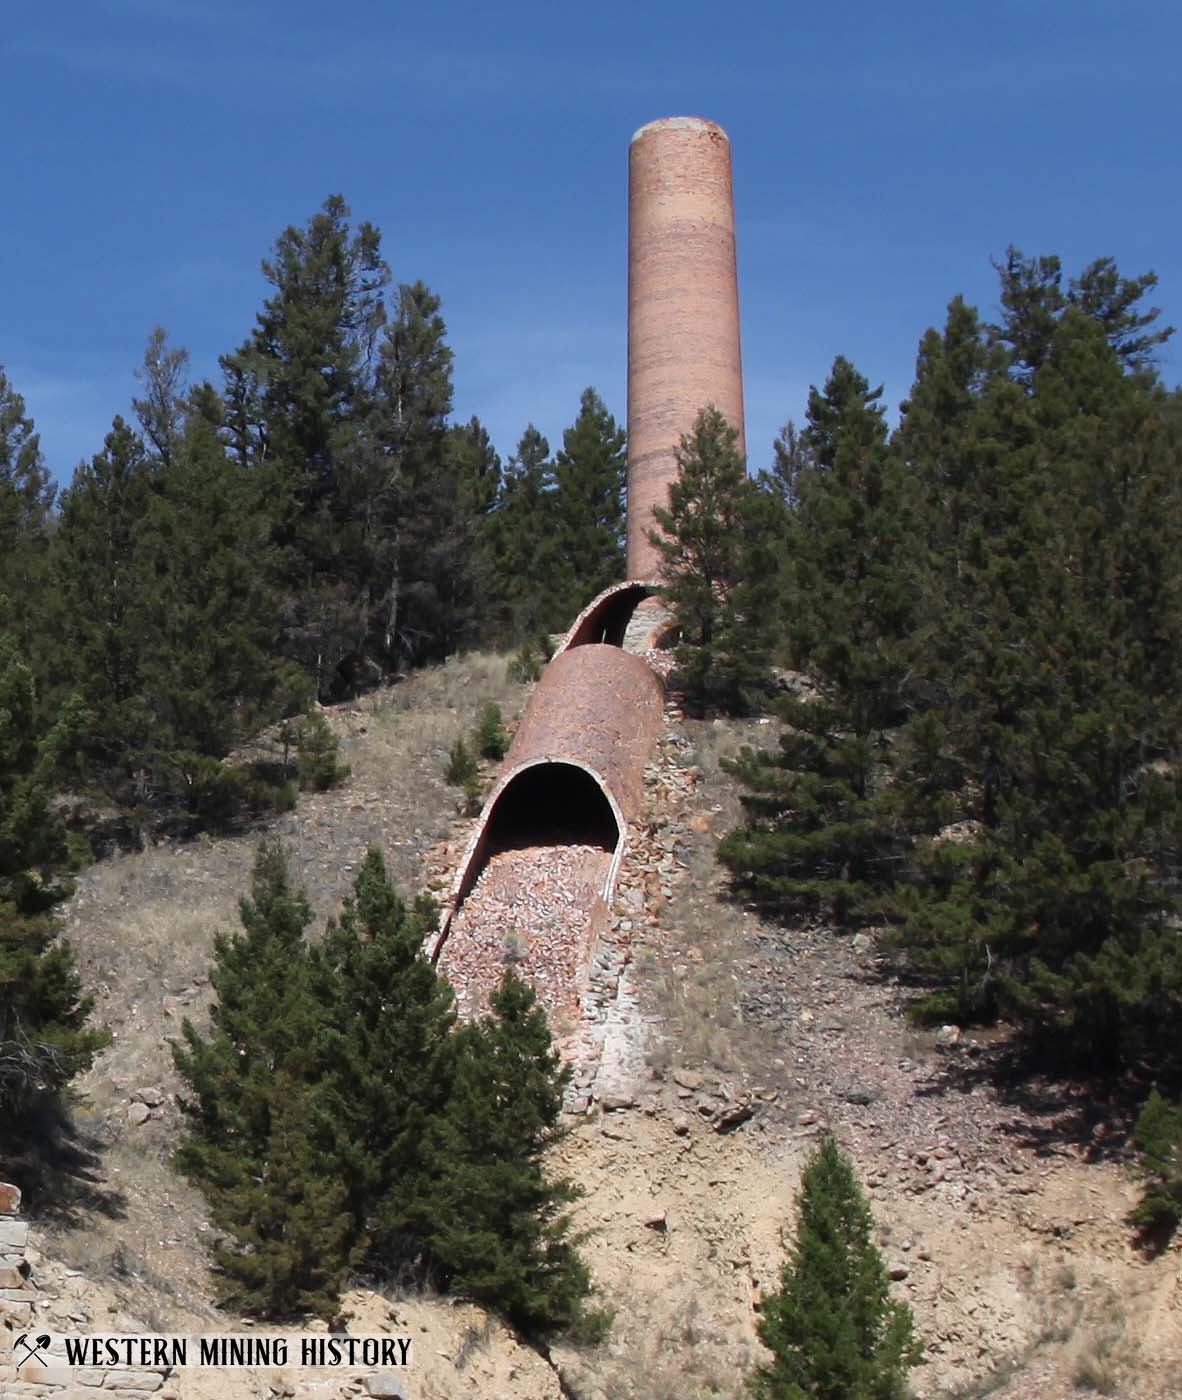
{"x":552,"y":804}
{"x":609,"y":622}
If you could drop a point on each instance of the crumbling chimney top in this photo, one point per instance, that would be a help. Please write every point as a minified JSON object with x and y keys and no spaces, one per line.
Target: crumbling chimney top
{"x":680,"y":123}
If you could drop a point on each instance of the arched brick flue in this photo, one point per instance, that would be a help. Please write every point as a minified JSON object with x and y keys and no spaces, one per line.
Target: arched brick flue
{"x":683,"y":307}
{"x":601,"y":707}
{"x":606,"y":618}
{"x":582,"y":744}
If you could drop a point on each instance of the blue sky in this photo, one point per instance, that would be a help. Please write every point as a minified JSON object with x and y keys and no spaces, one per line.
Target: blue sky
{"x":153,"y":149}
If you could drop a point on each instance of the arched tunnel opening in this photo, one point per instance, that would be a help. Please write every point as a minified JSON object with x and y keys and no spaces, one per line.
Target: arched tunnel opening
{"x":534,"y":886}
{"x":552,"y":804}
{"x":617,"y":616}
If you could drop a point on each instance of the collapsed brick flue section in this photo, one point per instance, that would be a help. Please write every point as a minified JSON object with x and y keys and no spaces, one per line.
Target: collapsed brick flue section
{"x":683,"y":308}
{"x":609,"y":616}
{"x":534,"y":882}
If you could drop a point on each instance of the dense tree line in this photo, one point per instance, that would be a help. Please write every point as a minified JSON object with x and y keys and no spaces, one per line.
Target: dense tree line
{"x":313,"y":521}
{"x":981,"y":617}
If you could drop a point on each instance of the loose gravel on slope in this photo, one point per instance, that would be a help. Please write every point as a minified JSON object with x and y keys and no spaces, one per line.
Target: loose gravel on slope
{"x":533,"y":908}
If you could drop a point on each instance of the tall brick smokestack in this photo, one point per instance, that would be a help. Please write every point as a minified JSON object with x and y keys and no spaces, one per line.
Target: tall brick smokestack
{"x":683,"y":308}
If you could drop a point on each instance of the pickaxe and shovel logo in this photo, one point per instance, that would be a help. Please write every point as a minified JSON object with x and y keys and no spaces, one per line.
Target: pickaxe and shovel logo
{"x":32,"y":1348}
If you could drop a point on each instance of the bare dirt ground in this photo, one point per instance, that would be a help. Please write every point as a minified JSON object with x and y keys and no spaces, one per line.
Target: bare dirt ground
{"x":1001,"y":1207}
{"x":1001,"y":1212}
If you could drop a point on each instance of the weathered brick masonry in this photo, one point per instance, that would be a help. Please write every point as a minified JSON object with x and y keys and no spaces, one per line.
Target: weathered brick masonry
{"x":535,"y":884}
{"x":683,"y":307}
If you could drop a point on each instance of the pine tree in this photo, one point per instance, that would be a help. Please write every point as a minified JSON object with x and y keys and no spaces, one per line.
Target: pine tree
{"x":472,"y":469}
{"x":531,"y":594}
{"x":1158,"y":1140}
{"x":499,"y":1232}
{"x":832,"y":1328}
{"x":589,"y":478}
{"x":1033,"y":302}
{"x":211,"y":672}
{"x":317,"y":749}
{"x":301,"y":371}
{"x":316,"y":1092}
{"x":816,"y":838}
{"x":162,"y":410}
{"x":395,"y":1073}
{"x":1045,"y":687}
{"x":44,"y":1037}
{"x":989,"y":606}
{"x":489,"y":738}
{"x":264,"y":1141}
{"x":1084,"y":793}
{"x":102,"y":590}
{"x":294,"y":1238}
{"x":26,"y":504}
{"x":849,"y":594}
{"x":407,"y":498}
{"x":299,"y":401}
{"x":718,"y":580}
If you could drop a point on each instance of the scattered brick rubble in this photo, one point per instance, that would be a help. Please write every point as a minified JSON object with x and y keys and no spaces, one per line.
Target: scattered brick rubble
{"x":533,"y":908}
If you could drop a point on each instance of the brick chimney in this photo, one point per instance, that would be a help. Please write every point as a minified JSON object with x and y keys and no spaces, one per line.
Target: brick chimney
{"x":683,"y":308}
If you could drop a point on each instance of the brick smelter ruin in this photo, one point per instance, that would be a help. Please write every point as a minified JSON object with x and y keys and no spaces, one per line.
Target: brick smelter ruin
{"x":535,"y":885}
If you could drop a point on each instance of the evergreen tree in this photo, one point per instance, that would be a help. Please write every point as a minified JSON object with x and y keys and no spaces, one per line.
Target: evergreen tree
{"x":1049,"y":674}
{"x":264,"y":1141}
{"x":472,"y":469}
{"x":849,"y":594}
{"x":317,"y":750}
{"x":1158,"y":1140}
{"x":589,"y":477}
{"x":26,"y":504}
{"x":303,"y":367}
{"x":161,"y":412}
{"x":1085,"y":811}
{"x":989,"y":608}
{"x":718,"y":578}
{"x":292,"y":1237}
{"x":44,"y":1038}
{"x":299,"y":399}
{"x":1033,"y":302}
{"x":211,"y":673}
{"x":409,"y":498}
{"x":423,"y":495}
{"x":818,"y":837}
{"x":394,"y":1076}
{"x":832,"y":1327}
{"x":528,"y":566}
{"x":499,"y":1233}
{"x":489,"y":738}
{"x":102,"y":591}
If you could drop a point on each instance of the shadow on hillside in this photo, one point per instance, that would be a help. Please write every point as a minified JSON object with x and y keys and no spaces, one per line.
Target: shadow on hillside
{"x":57,"y":1163}
{"x":1090,"y":1117}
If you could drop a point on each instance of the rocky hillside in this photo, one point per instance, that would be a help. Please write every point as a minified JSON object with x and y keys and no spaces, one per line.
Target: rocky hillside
{"x":716,"y":1050}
